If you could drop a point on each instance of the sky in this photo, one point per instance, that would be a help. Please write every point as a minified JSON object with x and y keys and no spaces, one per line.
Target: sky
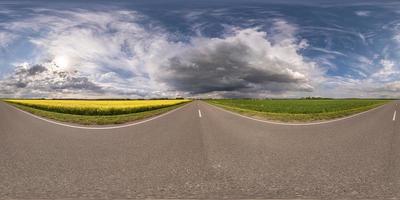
{"x":205,"y":49}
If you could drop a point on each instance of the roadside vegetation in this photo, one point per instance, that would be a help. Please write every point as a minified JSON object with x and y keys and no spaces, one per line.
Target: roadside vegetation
{"x":96,"y":112}
{"x":298,"y":110}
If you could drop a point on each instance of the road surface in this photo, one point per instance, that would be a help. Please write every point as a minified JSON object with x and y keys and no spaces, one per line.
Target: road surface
{"x":200,"y":151}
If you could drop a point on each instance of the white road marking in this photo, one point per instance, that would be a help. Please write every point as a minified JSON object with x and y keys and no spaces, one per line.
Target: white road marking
{"x":394,"y":116}
{"x":98,"y":128}
{"x":199,"y":113}
{"x":296,"y":124}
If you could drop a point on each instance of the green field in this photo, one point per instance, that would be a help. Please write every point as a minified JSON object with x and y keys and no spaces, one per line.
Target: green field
{"x":301,"y":110}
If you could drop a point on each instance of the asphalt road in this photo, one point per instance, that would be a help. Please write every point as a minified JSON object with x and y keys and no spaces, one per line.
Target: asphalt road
{"x":200,"y":151}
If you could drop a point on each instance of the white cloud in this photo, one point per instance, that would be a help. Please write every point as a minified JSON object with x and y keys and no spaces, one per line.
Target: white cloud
{"x":6,"y":38}
{"x":283,"y":32}
{"x":380,"y":84}
{"x":396,"y":37}
{"x":363,"y":13}
{"x":392,"y":87}
{"x":327,"y":51}
{"x":388,"y":69}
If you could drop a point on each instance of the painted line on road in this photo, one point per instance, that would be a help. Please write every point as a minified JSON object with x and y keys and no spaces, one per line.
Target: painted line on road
{"x":199,"y":113}
{"x":394,"y":116}
{"x":296,"y":124}
{"x":98,"y":128}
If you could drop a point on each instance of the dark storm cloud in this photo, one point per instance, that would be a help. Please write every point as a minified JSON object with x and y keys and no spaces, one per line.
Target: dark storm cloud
{"x":235,"y":65}
{"x":36,"y":69}
{"x":223,"y":71}
{"x":20,"y":77}
{"x":19,"y":84}
{"x":80,"y":83}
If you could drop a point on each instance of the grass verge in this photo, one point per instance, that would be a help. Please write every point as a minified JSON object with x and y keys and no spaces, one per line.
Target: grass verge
{"x":301,"y":111}
{"x":95,"y":119}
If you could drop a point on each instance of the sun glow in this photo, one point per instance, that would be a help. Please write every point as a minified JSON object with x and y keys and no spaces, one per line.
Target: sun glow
{"x":61,"y":61}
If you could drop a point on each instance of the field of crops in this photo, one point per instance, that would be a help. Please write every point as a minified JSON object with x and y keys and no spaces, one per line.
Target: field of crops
{"x":97,"y":107}
{"x":299,"y":109}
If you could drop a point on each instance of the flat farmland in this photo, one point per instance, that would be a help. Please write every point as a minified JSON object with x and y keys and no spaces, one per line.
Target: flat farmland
{"x":302,"y":110}
{"x":96,"y":111}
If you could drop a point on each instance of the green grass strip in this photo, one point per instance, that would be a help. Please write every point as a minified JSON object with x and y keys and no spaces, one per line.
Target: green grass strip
{"x":290,"y":117}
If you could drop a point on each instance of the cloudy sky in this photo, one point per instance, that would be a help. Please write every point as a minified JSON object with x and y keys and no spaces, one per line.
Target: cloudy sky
{"x":218,"y":48}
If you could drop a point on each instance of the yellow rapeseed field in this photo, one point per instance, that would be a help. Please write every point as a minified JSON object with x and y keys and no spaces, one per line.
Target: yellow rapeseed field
{"x":97,"y":107}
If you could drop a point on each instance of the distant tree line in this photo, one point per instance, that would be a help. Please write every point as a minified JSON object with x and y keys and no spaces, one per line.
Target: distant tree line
{"x":315,"y":98}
